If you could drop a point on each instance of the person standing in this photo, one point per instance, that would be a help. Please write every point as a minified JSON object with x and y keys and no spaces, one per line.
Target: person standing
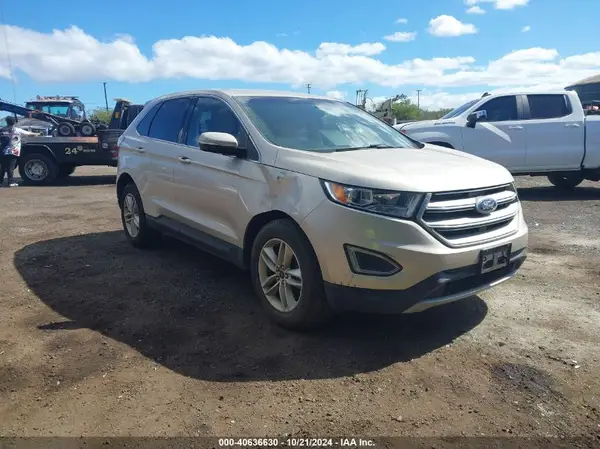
{"x":10,"y":149}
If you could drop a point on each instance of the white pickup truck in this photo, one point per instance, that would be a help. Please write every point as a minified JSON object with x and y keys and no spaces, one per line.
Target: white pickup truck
{"x":537,"y":134}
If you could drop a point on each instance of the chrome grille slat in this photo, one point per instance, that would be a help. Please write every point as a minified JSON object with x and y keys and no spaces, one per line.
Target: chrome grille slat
{"x":453,"y":219}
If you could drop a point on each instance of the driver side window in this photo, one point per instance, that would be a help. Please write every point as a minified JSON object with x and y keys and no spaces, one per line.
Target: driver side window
{"x":214,"y":115}
{"x":500,"y":109}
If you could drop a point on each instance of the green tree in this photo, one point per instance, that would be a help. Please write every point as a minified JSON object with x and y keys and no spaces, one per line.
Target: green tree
{"x":404,"y":109}
{"x":100,"y":115}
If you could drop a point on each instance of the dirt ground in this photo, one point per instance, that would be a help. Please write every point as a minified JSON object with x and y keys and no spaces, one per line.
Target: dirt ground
{"x":97,"y":338}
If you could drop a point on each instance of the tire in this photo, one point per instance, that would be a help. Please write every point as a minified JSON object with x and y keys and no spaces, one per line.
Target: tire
{"x":66,"y":129}
{"x":65,"y":171}
{"x":145,"y":236}
{"x":87,"y":129}
{"x":566,"y":182}
{"x":37,"y":169}
{"x":310,"y":307}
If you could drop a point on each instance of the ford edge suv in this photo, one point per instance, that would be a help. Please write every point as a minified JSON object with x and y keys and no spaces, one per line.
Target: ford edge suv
{"x":329,"y":208}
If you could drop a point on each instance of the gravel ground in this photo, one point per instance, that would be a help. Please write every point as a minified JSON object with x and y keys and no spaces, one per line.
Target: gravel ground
{"x":100,"y":339}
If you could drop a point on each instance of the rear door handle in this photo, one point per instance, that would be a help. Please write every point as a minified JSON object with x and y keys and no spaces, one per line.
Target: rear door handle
{"x":184,"y":160}
{"x":515,"y":127}
{"x":572,"y":125}
{"x":140,"y":150}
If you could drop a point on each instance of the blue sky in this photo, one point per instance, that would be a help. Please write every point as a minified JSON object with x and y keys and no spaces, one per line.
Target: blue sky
{"x":557,"y":49}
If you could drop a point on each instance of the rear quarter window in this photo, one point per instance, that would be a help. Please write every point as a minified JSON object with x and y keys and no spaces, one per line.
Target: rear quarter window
{"x":143,"y":127}
{"x":549,"y":106}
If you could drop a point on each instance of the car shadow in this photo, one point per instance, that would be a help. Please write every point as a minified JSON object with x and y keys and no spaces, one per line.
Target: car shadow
{"x":74,"y":180}
{"x":197,"y":315}
{"x":550,"y":193}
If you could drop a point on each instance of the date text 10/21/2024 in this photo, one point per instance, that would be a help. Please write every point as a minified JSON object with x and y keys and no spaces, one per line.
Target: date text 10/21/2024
{"x":296,"y":442}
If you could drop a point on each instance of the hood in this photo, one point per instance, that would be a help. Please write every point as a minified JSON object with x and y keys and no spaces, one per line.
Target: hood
{"x":419,"y":124}
{"x":430,"y":169}
{"x":34,"y":123}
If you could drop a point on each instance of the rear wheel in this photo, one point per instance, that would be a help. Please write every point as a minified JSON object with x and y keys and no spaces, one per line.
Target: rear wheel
{"x":37,"y":169}
{"x":134,"y":220}
{"x":287,"y":277}
{"x":87,"y":129}
{"x":566,"y":181}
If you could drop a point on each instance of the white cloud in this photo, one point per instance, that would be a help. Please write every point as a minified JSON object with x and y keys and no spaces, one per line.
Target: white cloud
{"x":402,"y":20}
{"x":282,"y":35}
{"x":448,"y":26}
{"x":338,"y":95}
{"x":475,"y":10}
{"x":526,"y":29}
{"x":400,"y":36}
{"x":72,"y":55}
{"x":499,"y":4}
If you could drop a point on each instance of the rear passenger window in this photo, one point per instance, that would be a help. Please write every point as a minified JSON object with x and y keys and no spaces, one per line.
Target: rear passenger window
{"x":168,"y":121}
{"x":143,"y":126}
{"x":548,"y":106}
{"x":500,"y":109}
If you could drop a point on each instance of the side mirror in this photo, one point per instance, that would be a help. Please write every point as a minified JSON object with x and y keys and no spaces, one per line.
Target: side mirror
{"x":474,"y":117}
{"x":221,"y":143}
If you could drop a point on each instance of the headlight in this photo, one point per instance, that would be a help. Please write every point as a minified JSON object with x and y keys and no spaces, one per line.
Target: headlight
{"x":383,"y":202}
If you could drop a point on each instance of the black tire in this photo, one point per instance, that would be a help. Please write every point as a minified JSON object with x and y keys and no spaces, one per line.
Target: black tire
{"x":87,"y":129}
{"x":146,"y":236}
{"x":66,"y":129}
{"x":65,"y":171}
{"x":37,"y":169}
{"x":312,"y":308}
{"x":566,"y":181}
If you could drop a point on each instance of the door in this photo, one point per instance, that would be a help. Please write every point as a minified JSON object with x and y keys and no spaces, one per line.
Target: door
{"x":158,"y":145}
{"x":555,"y":133}
{"x":208,"y":183}
{"x":501,"y":137}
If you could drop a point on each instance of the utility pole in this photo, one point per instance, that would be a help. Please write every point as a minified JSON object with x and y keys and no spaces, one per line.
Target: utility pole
{"x":419,"y":100}
{"x":308,"y":88}
{"x":105,"y":97}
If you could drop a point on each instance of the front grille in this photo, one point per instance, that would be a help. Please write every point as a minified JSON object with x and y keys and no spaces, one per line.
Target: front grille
{"x":452,"y":217}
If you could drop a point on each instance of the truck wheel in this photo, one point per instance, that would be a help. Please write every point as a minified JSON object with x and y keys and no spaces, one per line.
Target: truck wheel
{"x":65,"y":171}
{"x":287,"y":277}
{"x":87,"y":129}
{"x":133,"y":218}
{"x":37,"y":169}
{"x":566,"y":182}
{"x":66,"y":130}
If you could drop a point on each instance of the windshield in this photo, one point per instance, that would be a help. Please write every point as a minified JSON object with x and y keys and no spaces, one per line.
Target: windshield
{"x":61,"y":109}
{"x":459,"y":110}
{"x":319,"y":125}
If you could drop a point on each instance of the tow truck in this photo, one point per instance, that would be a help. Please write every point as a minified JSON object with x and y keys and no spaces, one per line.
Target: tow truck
{"x":46,"y":158}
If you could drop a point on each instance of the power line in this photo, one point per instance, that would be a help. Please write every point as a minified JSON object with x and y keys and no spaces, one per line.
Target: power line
{"x":8,"y":58}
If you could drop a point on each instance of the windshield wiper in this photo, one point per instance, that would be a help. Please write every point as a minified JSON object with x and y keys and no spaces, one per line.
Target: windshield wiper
{"x":375,"y":145}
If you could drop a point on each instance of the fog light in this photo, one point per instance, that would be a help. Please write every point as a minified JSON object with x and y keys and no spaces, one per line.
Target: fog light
{"x":370,"y":263}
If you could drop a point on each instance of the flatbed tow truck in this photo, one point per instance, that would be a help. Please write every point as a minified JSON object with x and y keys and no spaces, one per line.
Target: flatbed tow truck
{"x":45,"y":159}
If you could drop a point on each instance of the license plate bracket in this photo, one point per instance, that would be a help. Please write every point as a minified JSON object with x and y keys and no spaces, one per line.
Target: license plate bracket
{"x":494,"y":258}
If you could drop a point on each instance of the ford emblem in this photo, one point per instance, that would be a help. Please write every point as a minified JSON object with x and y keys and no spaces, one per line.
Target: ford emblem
{"x":486,"y":206}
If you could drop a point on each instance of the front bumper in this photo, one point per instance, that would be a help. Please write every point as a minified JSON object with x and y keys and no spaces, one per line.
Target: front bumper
{"x":441,"y":288}
{"x":432,"y":273}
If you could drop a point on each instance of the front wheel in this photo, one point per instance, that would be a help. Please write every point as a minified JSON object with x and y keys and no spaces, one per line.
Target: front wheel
{"x":37,"y":169}
{"x":566,"y":182}
{"x":287,"y":277}
{"x":134,"y":220}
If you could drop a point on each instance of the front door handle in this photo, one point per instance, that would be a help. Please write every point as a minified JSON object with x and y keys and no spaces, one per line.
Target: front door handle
{"x":184,"y":160}
{"x":572,"y":125}
{"x":515,"y":127}
{"x":140,"y":150}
